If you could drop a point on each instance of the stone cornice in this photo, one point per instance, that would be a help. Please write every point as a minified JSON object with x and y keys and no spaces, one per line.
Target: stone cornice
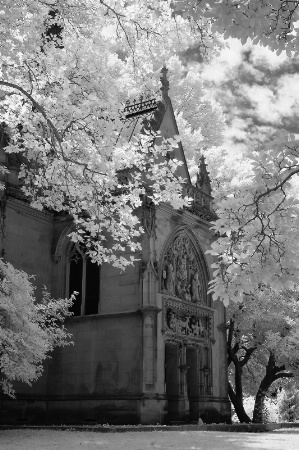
{"x":25,"y":208}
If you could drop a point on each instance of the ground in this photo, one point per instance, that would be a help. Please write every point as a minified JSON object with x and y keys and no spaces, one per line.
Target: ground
{"x":173,"y":440}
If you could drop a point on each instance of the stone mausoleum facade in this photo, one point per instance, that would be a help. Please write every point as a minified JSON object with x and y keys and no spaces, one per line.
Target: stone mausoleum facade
{"x":149,"y":342}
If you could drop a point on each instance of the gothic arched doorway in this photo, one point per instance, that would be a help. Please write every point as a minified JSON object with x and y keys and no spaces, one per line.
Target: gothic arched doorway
{"x":187,"y":327}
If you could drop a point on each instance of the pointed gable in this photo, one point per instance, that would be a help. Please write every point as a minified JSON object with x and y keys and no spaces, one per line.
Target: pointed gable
{"x":169,"y":128}
{"x":156,"y":115}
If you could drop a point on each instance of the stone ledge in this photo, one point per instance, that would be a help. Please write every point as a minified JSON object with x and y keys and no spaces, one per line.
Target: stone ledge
{"x":247,"y":427}
{"x":238,"y":427}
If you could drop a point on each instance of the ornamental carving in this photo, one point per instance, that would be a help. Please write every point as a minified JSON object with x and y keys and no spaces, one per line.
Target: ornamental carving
{"x":187,"y":323}
{"x":148,"y":215}
{"x":181,"y":273}
{"x":203,"y":181}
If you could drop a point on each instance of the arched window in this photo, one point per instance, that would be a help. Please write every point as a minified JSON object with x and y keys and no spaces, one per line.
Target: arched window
{"x":83,"y":276}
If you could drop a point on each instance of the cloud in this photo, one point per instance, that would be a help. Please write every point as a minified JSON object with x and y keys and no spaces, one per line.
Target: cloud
{"x":263,"y":57}
{"x":263,"y":99}
{"x":257,"y":90}
{"x":222,"y":67}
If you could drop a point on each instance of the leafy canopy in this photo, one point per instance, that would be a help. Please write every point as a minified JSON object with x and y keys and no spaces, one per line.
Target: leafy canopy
{"x":67,"y":69}
{"x":29,"y":331}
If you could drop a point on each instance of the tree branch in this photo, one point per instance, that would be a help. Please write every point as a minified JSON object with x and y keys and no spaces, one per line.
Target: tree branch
{"x":36,"y":105}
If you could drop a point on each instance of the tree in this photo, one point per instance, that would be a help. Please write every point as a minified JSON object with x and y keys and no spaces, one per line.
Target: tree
{"x":65,"y":76}
{"x":288,"y":405}
{"x":67,"y":71}
{"x":29,"y":331}
{"x":258,"y":242}
{"x":262,"y":347}
{"x":257,"y":235}
{"x":271,"y":23}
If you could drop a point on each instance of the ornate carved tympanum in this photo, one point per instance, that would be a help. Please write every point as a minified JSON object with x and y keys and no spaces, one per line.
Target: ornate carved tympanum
{"x":181,"y":273}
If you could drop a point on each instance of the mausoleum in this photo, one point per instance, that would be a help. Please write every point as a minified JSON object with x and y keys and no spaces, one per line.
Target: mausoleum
{"x":149,"y":342}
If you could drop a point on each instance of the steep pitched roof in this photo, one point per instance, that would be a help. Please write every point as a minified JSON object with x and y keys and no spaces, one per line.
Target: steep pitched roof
{"x":156,"y":114}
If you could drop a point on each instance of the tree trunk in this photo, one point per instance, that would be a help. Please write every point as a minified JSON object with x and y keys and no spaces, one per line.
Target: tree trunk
{"x":237,"y":401}
{"x":258,"y":412}
{"x":266,"y":382}
{"x":236,"y":396}
{"x":273,"y":373}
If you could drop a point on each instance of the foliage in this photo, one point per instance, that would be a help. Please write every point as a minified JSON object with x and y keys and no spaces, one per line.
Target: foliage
{"x":67,"y":70}
{"x":67,"y":67}
{"x":229,"y":173}
{"x":258,"y":242}
{"x":289,"y":404}
{"x":29,"y":331}
{"x":271,"y":23}
{"x":262,"y":346}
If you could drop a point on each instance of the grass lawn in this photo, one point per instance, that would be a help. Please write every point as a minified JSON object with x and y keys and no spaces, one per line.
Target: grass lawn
{"x":175,"y":440}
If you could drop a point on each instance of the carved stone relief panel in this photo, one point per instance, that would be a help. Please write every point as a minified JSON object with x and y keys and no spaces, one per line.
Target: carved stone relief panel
{"x":189,"y":324}
{"x":182,"y":276}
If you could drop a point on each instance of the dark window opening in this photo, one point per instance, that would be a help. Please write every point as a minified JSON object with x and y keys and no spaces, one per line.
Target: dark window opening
{"x":84,"y":278}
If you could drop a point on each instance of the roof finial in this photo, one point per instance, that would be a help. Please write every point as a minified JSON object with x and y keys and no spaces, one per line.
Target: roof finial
{"x":164,"y":83}
{"x":203,"y":181}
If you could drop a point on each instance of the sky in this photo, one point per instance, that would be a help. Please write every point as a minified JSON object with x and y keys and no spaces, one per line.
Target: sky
{"x":258,"y":92}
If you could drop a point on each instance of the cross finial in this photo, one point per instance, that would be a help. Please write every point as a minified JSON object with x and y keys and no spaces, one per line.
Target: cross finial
{"x":164,"y":83}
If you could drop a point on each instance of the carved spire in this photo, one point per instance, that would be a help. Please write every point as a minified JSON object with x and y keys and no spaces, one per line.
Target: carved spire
{"x":164,"y":84}
{"x":203,"y":181}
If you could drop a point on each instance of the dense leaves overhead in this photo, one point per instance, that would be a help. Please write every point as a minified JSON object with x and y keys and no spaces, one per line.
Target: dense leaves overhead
{"x":67,"y":70}
{"x":268,"y":22}
{"x":257,"y":227}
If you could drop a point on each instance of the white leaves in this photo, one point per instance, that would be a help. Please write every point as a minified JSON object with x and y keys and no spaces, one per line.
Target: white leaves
{"x":258,"y":241}
{"x":68,"y":123}
{"x":28,"y":331}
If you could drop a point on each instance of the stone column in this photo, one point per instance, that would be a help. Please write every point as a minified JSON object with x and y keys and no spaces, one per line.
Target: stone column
{"x":151,"y":407}
{"x":149,"y":345}
{"x":223,"y":377}
{"x":183,"y":388}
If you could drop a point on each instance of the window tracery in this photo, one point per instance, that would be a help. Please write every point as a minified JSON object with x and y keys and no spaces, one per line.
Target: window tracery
{"x":83,"y":277}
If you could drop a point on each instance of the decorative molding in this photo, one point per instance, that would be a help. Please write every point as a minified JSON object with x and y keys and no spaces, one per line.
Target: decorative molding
{"x":182,"y":274}
{"x":143,"y":105}
{"x":201,"y":203}
{"x":187,"y":324}
{"x":149,"y":269}
{"x":148,"y":215}
{"x":186,"y":218}
{"x":150,"y":310}
{"x":63,"y":242}
{"x":24,"y":207}
{"x":203,"y":181}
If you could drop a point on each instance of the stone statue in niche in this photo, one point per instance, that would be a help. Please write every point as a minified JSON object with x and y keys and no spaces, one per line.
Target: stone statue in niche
{"x":170,"y":279}
{"x":171,"y":321}
{"x":196,"y":288}
{"x":148,"y":208}
{"x":181,"y":274}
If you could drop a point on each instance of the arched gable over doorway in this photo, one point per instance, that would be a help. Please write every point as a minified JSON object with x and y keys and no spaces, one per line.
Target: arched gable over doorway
{"x":184,"y":273}
{"x":187,"y":325}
